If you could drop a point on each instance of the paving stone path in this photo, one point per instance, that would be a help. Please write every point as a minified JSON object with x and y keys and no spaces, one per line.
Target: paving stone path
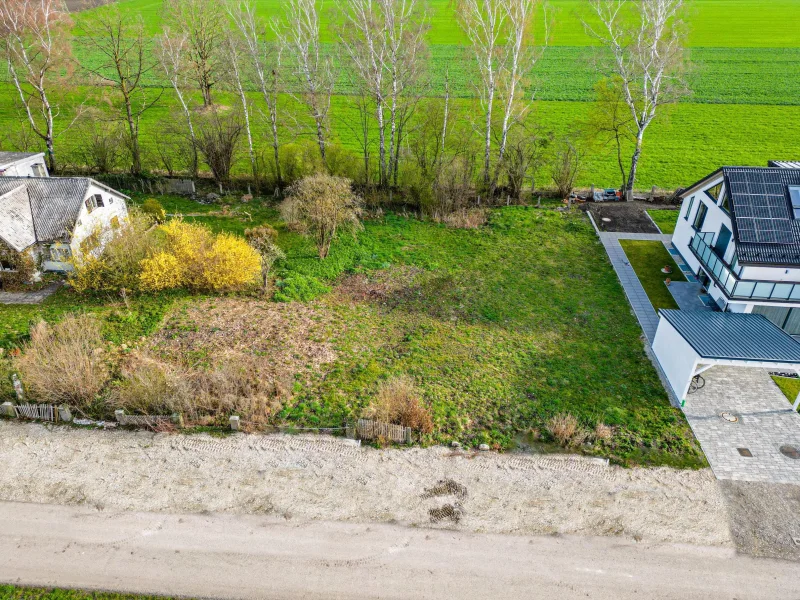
{"x":29,"y":297}
{"x":642,"y":308}
{"x":765,"y":422}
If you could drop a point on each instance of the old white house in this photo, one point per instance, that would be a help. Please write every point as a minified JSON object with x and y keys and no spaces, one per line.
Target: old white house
{"x":23,"y":164}
{"x":58,"y":217}
{"x":739,"y":231}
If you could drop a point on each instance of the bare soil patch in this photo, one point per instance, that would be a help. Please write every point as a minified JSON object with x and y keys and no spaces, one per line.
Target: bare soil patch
{"x":764,"y":518}
{"x":306,"y":478}
{"x":79,"y":5}
{"x":384,"y":286}
{"x":627,"y":217}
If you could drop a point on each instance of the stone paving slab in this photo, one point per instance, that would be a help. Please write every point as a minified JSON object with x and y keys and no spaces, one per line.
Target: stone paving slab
{"x":29,"y":297}
{"x":766,"y":422}
{"x":642,"y":308}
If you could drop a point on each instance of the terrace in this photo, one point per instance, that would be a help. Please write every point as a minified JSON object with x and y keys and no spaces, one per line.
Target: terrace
{"x":727,"y":276}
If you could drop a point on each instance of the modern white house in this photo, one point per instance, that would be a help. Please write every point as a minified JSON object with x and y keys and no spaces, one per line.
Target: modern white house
{"x":56,"y":218}
{"x":739,"y":232}
{"x":23,"y":164}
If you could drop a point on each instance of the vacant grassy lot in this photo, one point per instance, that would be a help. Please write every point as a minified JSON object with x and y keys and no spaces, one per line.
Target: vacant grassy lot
{"x":665,"y":219}
{"x":647,"y":259}
{"x":501,"y":327}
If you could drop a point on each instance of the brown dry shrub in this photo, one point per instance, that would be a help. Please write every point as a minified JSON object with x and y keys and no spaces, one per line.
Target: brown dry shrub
{"x":379,"y":286}
{"x":465,"y":218}
{"x":65,"y":362}
{"x":151,"y":387}
{"x":603,"y":432}
{"x":399,"y":401}
{"x":563,"y":427}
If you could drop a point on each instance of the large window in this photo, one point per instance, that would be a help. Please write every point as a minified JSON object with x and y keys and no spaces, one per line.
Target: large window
{"x":726,"y":201}
{"x":714,"y":192}
{"x":701,"y":216}
{"x":689,"y":210}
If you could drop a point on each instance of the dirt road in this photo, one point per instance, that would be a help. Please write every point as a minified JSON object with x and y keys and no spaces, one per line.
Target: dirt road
{"x":246,"y":556}
{"x":304,"y":478}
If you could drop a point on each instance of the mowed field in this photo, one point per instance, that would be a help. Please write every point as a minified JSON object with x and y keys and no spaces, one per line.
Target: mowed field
{"x":744,"y":76}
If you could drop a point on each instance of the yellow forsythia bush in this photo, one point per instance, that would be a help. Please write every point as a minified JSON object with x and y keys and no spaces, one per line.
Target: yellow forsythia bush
{"x":195,"y":258}
{"x":231,"y":263}
{"x":161,"y":271}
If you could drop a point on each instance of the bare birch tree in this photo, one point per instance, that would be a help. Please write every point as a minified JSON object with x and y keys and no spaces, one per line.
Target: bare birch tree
{"x":484,"y":22}
{"x":120,"y":42}
{"x":34,"y":36}
{"x":521,"y":55}
{"x":647,"y":59}
{"x":171,"y":50}
{"x":299,"y":36}
{"x":203,"y":23}
{"x":236,"y":63}
{"x":265,"y":64}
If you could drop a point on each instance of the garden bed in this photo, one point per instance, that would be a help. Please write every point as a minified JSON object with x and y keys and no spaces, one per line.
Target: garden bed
{"x":648,"y":258}
{"x":623,"y":217}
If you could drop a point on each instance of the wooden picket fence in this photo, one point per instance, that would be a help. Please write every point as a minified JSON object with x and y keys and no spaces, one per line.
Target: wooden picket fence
{"x":367,"y":429}
{"x":40,"y":412}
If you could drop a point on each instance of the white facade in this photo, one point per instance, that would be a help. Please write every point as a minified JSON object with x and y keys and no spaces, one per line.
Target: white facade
{"x":24,"y":165}
{"x":676,"y":356}
{"x":726,"y":285}
{"x":100,"y":219}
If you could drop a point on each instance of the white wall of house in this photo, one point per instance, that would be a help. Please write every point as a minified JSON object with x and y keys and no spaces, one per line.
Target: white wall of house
{"x":677,"y":358}
{"x":716,"y":217}
{"x":102,"y":219}
{"x":33,"y":166}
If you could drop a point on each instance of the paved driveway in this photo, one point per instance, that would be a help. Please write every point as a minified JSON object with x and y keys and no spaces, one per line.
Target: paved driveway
{"x":766,"y":422}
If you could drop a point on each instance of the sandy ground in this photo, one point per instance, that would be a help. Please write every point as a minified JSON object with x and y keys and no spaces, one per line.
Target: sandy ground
{"x":305,"y":478}
{"x":629,"y":217}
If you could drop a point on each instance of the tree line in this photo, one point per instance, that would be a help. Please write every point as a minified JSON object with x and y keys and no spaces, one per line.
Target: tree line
{"x":284,"y":79}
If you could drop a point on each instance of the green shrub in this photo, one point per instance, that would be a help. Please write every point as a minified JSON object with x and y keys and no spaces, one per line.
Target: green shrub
{"x":299,"y":287}
{"x":154,"y":209}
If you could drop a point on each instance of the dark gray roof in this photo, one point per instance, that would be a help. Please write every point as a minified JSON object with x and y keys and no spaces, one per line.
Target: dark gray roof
{"x":765,"y":231}
{"x":6,"y":158}
{"x":734,"y":336}
{"x":55,"y":202}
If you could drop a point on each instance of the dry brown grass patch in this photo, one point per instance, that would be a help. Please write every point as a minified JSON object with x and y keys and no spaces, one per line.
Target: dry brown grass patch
{"x":399,"y":401}
{"x":65,"y":362}
{"x":234,"y":356}
{"x":383,"y":286}
{"x":465,"y":218}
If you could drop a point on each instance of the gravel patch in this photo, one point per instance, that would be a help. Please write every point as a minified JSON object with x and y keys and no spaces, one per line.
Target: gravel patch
{"x":322,"y":478}
{"x":625,"y":217}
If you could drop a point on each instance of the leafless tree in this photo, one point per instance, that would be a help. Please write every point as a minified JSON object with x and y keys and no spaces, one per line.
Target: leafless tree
{"x":610,"y":123}
{"x":520,"y":56}
{"x":484,"y":22}
{"x":218,"y":137}
{"x":203,"y":24}
{"x":299,"y":36}
{"x":500,"y":32}
{"x":525,"y":152}
{"x":171,"y":50}
{"x":265,"y":63}
{"x":566,"y":165}
{"x":35,"y":38}
{"x":647,"y":58}
{"x":119,"y":41}
{"x":235,"y":59}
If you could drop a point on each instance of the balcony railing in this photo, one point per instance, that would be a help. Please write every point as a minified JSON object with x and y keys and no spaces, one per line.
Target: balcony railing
{"x":735,"y":288}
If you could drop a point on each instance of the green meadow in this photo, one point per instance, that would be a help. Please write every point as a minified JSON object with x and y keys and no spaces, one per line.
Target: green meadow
{"x":743,"y":109}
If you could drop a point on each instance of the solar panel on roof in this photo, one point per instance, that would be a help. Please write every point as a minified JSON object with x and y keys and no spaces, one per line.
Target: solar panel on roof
{"x":760,"y":205}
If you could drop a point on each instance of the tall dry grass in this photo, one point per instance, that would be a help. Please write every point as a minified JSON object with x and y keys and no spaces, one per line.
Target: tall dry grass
{"x":65,"y":362}
{"x":399,"y":401}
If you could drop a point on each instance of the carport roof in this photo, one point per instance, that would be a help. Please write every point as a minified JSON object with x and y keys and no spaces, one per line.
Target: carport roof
{"x":734,"y":336}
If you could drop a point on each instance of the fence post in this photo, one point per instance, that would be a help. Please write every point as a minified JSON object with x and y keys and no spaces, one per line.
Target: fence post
{"x":18,"y":388}
{"x":234,"y":421}
{"x":177,"y":418}
{"x":118,"y":414}
{"x":7,"y":410}
{"x":408,"y":435}
{"x":64,"y":413}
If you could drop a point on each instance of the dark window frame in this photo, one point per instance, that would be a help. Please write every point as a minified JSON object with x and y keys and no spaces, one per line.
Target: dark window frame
{"x":689,"y":210}
{"x":700,"y":217}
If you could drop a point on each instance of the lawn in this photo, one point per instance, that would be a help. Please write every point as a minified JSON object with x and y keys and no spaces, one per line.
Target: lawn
{"x":665,"y":219}
{"x":790,"y":386}
{"x":647,"y":259}
{"x":501,"y":327}
{"x":12,"y":592}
